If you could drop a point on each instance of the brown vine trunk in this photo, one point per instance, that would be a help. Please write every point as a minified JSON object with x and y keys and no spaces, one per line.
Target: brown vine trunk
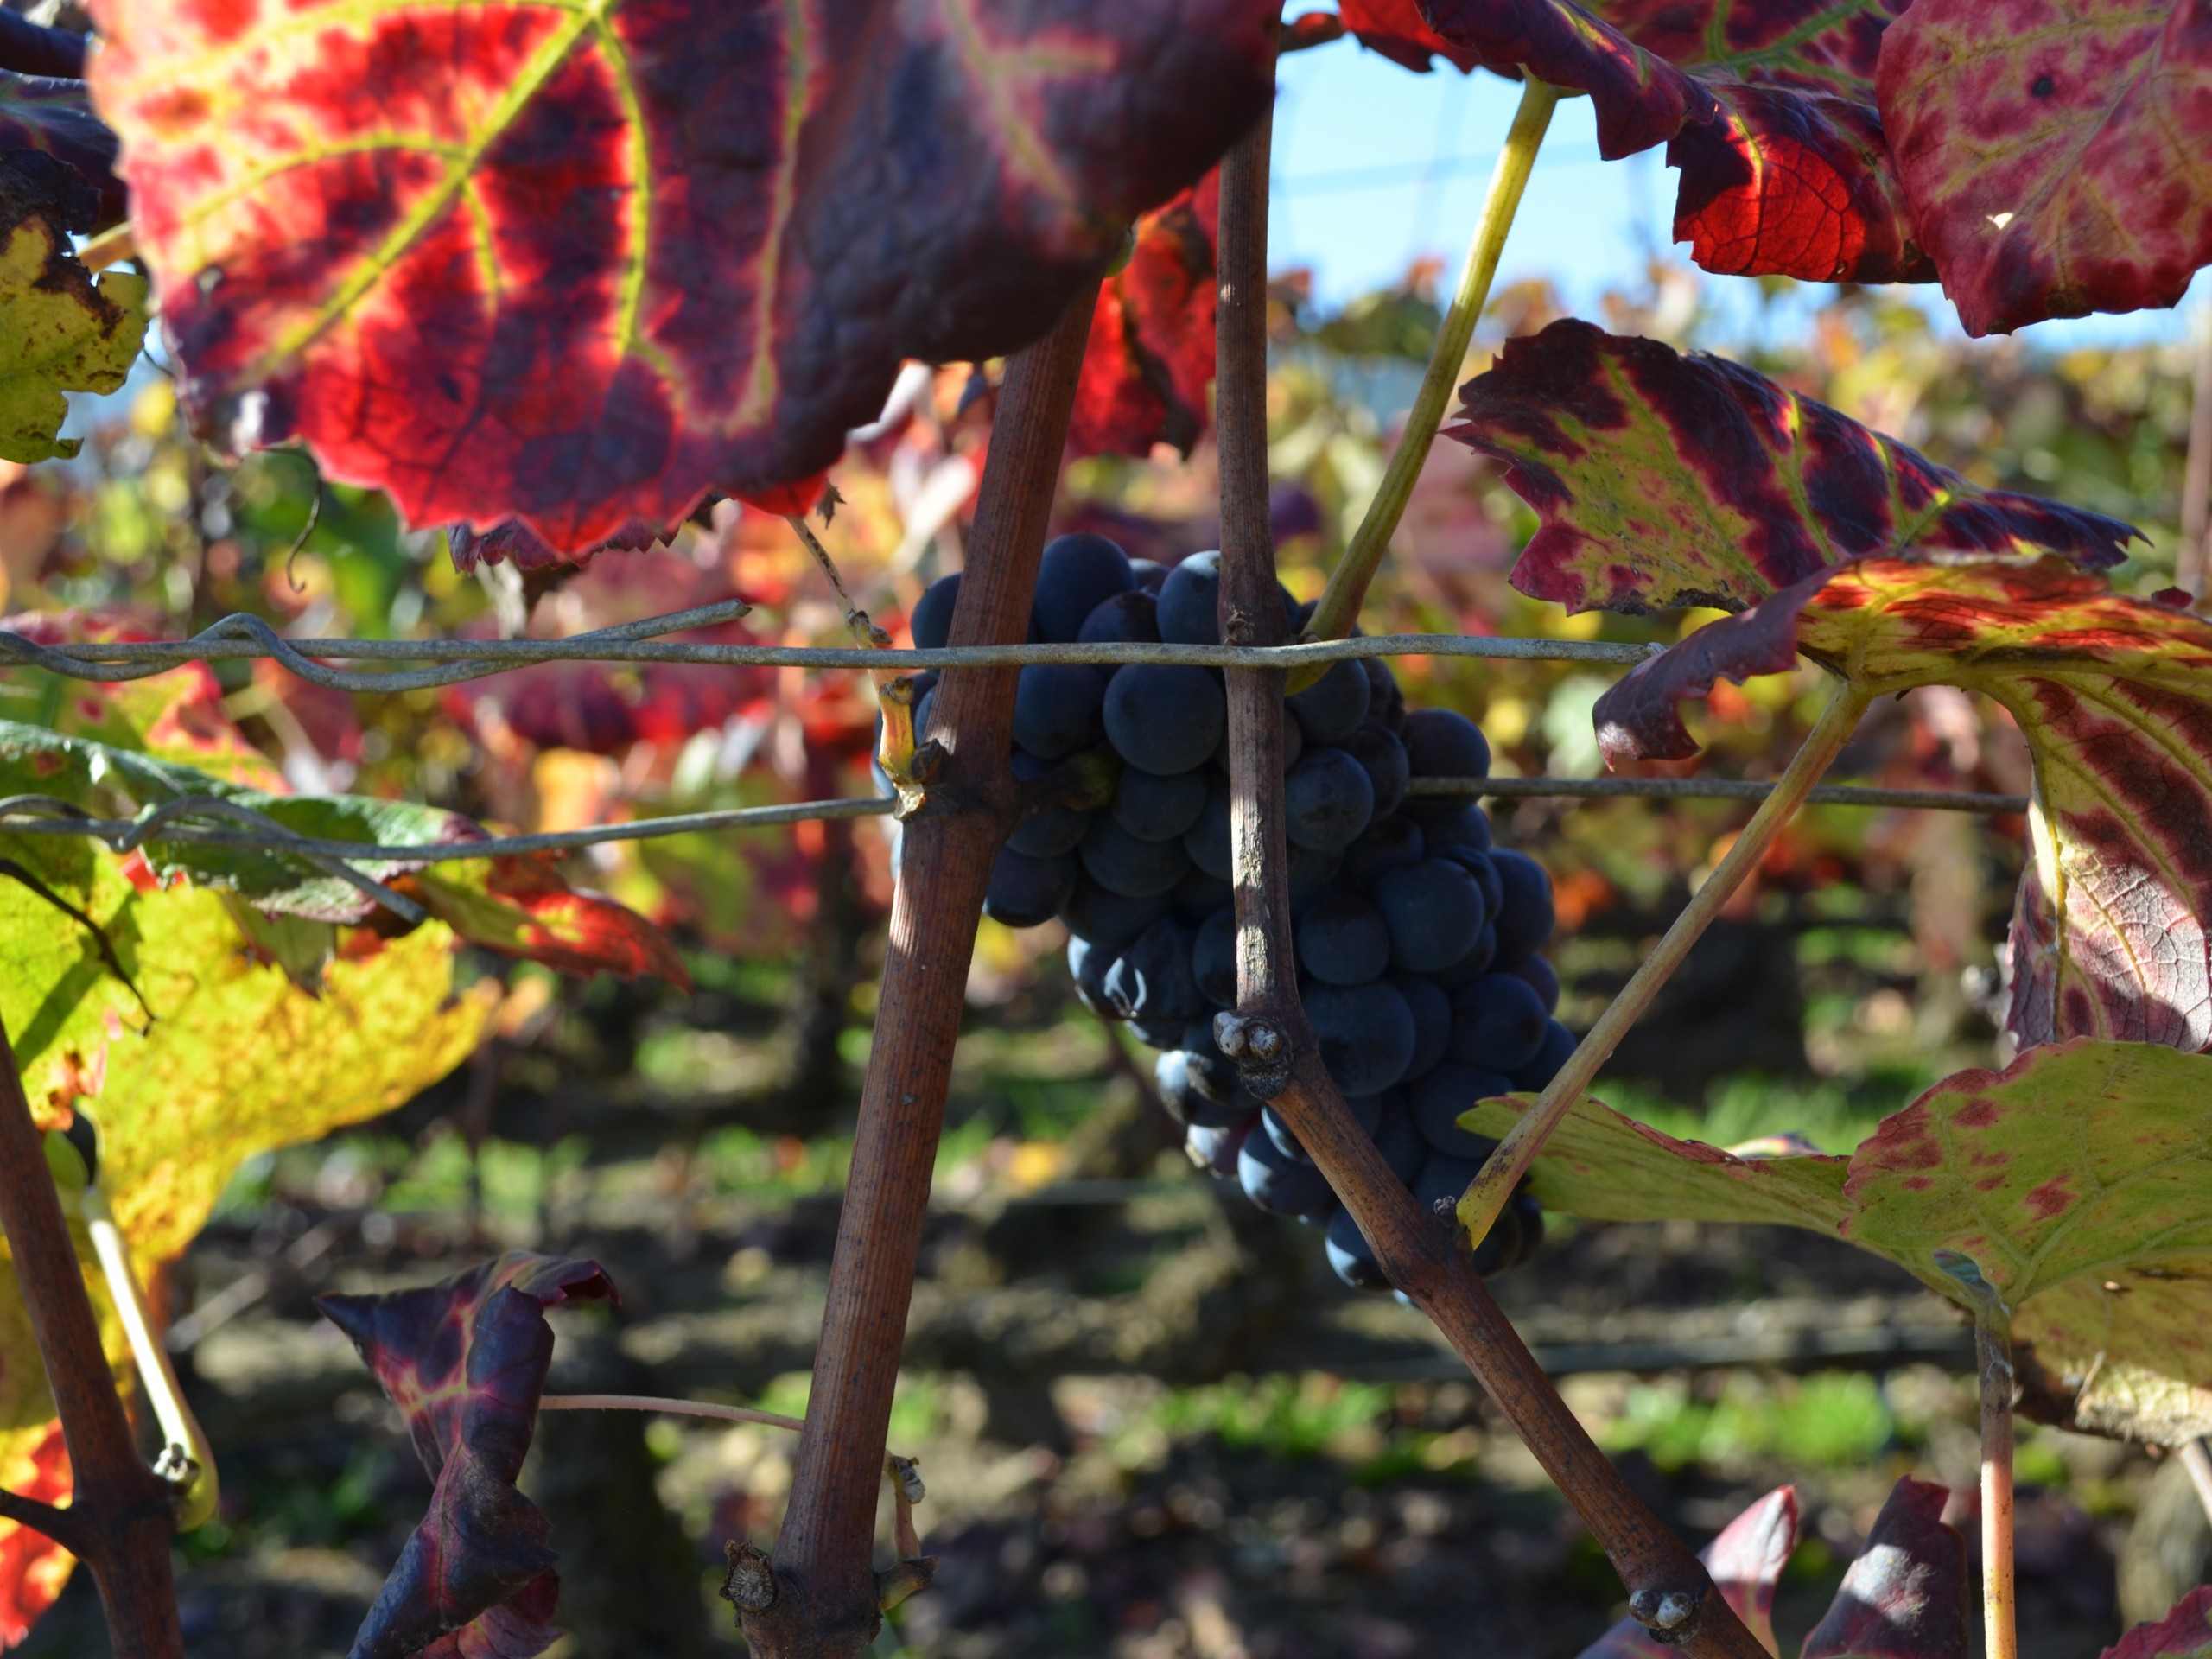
{"x":120,"y":1519}
{"x":825,"y":1585}
{"x":1421,"y":1253}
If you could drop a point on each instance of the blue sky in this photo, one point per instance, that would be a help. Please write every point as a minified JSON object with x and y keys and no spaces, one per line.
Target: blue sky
{"x":1374,"y":165}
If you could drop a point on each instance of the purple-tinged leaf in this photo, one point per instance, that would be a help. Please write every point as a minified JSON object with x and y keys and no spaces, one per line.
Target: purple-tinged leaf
{"x":2057,"y":155}
{"x":2184,"y":1633}
{"x":2113,"y":695}
{"x":1906,"y":1597}
{"x":465,"y":1361}
{"x":29,"y":48}
{"x":54,"y":116}
{"x":1396,"y":29}
{"x":1666,"y":479}
{"x":1745,"y":1561}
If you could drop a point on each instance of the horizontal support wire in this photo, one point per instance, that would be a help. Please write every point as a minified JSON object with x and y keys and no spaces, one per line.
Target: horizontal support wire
{"x":242,"y":638}
{"x":38,"y":815}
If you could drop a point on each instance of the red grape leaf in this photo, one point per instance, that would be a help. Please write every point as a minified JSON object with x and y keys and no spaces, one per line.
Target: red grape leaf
{"x":1906,"y":1597}
{"x":2183,"y":1633}
{"x":1666,"y":479}
{"x":541,"y":284}
{"x":2079,"y":1180}
{"x":1745,"y":1561}
{"x":1151,"y":354}
{"x":1814,"y":45}
{"x":34,"y":1462}
{"x":54,"y":116}
{"x":514,"y":542}
{"x":465,"y":1362}
{"x":1396,"y":30}
{"x":2113,"y":695}
{"x":2055,"y":156}
{"x":603,"y":708}
{"x":1792,"y":183}
{"x":520,"y":906}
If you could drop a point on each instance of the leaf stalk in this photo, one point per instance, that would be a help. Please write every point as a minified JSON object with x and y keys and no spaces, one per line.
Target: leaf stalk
{"x":1347,"y":589}
{"x":1509,"y":1161}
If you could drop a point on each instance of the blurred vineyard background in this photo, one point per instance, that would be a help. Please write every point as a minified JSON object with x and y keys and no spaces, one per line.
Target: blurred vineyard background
{"x":1152,"y":1423}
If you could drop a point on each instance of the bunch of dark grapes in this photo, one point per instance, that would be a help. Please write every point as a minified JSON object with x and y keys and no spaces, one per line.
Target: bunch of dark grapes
{"x":1416,"y":937}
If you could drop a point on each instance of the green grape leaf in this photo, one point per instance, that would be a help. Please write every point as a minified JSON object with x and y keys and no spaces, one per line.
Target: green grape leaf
{"x":1665,"y":480}
{"x":60,"y":331}
{"x":2053,"y":155}
{"x":2113,"y":695}
{"x":1605,"y":1167}
{"x":2183,"y":1633}
{"x":596,"y":261}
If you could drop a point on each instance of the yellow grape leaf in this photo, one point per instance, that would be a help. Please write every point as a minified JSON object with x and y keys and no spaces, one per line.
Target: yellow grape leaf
{"x":59,"y":332}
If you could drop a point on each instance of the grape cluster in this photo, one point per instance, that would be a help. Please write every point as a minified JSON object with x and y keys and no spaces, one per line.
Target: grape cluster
{"x":1416,"y":938}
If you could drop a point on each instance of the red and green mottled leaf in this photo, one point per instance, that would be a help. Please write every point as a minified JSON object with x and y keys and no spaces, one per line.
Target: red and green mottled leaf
{"x":54,"y":116}
{"x":1666,"y":479}
{"x":1150,"y":354}
{"x":1907,"y":1596}
{"x":1396,"y":30}
{"x":1603,"y":1166}
{"x":513,"y":542}
{"x":1814,"y":45}
{"x":60,"y":331}
{"x":541,"y":283}
{"x":520,"y":906}
{"x":1745,"y":1561}
{"x":2184,"y":1633}
{"x":2113,"y":695}
{"x":2079,"y":1180}
{"x":2055,"y":155}
{"x":465,"y":1362}
{"x":34,"y":1462}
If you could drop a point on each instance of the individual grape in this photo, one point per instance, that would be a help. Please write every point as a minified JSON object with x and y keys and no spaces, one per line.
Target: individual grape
{"x":1190,"y":601}
{"x":932,"y":621}
{"x":1213,"y":959}
{"x":1365,"y":1033}
{"x":1148,"y":573}
{"x":1217,"y":1076}
{"x":1478,"y":865}
{"x":1351,"y":1256}
{"x":1178,"y":1075}
{"x":1391,"y":843}
{"x":1399,"y":1139}
{"x":1327,"y":801}
{"x":1466,"y":830}
{"x":1442,"y":1182}
{"x":1444,"y":1177}
{"x":1087,"y":966}
{"x":1157,"y":1034}
{"x":1164,"y":718}
{"x":1441,"y":743}
{"x":1384,"y":759}
{"x":1108,"y":919}
{"x":1366,"y":1111}
{"x":1311,"y":873}
{"x":1207,"y":841}
{"x":1026,"y":892}
{"x":1341,"y":940}
{"x":1130,"y":618}
{"x":1330,"y":708}
{"x":1479,"y":957}
{"x":1432,"y":1012}
{"x":1537,"y":1074}
{"x":1118,"y":861}
{"x":1433,"y":911}
{"x":1056,"y":709}
{"x":1155,"y":807}
{"x":1542,"y":978}
{"x":1199,"y":894}
{"x":1499,"y":1022}
{"x":1151,"y":980}
{"x":1386,"y":703}
{"x":1051,"y":830}
{"x":1217,"y":1149}
{"x":1075,"y":575}
{"x":1525,"y":920}
{"x":1282,"y":1185}
{"x":1441,"y":1098}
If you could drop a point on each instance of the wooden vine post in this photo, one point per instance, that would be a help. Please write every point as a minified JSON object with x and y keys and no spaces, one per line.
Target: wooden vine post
{"x":823,"y":1599}
{"x":1668,"y":1588}
{"x":122,"y":1514}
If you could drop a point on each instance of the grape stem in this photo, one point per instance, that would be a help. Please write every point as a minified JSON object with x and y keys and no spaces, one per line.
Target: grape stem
{"x":1347,"y":589}
{"x":1506,"y":1166}
{"x":120,"y":1517}
{"x":823,"y":1599}
{"x":1669,"y":1587}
